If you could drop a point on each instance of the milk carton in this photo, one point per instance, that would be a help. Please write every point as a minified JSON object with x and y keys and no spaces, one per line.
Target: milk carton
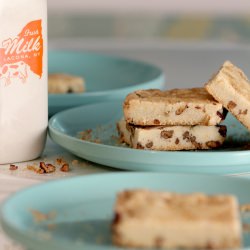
{"x":23,"y":79}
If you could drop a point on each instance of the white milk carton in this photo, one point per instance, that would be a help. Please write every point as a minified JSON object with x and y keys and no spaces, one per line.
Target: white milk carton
{"x":23,"y":79}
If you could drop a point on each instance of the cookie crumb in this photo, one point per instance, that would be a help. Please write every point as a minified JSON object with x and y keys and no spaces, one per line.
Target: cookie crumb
{"x":13,"y":167}
{"x":65,"y":167}
{"x":32,"y":168}
{"x":86,"y":135}
{"x":46,"y":168}
{"x":43,"y":168}
{"x":40,"y":217}
{"x":60,"y":161}
{"x":75,"y":162}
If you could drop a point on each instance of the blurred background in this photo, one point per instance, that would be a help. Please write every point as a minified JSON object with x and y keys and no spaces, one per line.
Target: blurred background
{"x":223,"y":20}
{"x":193,"y":37}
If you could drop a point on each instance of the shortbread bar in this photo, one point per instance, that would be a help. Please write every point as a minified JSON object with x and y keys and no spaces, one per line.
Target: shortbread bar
{"x":173,"y":107}
{"x":231,"y":88}
{"x":60,"y":83}
{"x":150,"y":219}
{"x":172,"y":137}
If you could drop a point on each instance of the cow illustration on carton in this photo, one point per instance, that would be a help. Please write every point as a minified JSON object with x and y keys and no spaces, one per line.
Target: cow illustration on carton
{"x":15,"y":70}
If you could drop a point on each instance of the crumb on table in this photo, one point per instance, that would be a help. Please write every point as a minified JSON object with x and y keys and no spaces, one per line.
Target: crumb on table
{"x":13,"y":167}
{"x":44,"y":168}
{"x":40,"y":217}
{"x":65,"y":167}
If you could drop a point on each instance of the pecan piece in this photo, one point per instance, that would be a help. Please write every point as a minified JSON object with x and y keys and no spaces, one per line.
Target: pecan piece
{"x":167,"y":134}
{"x":213,"y":144}
{"x":231,"y":105}
{"x":220,"y":115}
{"x":180,"y":110}
{"x":13,"y":167}
{"x":244,"y":112}
{"x":185,"y":135}
{"x":190,"y":138}
{"x":139,"y":146}
{"x":223,"y":114}
{"x":65,"y":167}
{"x":46,"y":168}
{"x":223,"y":131}
{"x":156,"y":122}
{"x":117,"y":218}
{"x":59,"y":161}
{"x":149,"y":144}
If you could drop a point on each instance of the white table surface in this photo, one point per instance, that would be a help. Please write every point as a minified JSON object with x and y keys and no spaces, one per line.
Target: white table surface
{"x":170,"y":57}
{"x":12,"y":181}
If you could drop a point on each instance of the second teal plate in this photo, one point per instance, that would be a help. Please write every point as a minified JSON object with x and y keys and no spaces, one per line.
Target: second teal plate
{"x":106,"y":77}
{"x":100,"y":120}
{"x":76,"y":213}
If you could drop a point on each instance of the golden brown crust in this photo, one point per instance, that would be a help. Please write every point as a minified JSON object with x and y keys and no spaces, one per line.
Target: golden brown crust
{"x":231,"y":88}
{"x":198,"y":95}
{"x":234,"y":77}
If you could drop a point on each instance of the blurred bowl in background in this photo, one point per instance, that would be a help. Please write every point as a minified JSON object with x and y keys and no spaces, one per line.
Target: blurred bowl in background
{"x":106,"y":77}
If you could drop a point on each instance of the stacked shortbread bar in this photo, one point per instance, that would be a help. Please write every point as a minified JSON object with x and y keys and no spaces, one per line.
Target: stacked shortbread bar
{"x":179,"y":119}
{"x":149,"y":219}
{"x":231,"y":88}
{"x":176,"y":120}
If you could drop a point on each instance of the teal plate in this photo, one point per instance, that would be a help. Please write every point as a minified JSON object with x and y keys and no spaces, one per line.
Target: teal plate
{"x":101,"y":118}
{"x":80,"y":210}
{"x":106,"y":77}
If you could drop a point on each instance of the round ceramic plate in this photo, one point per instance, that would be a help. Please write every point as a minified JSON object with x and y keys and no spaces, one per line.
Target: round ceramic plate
{"x":103,"y":146}
{"x":106,"y":77}
{"x":76,"y":213}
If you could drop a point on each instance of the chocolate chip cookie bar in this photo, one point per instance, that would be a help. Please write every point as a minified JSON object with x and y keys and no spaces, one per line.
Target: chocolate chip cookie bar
{"x":59,"y":83}
{"x":171,"y":137}
{"x":231,"y":88}
{"x":151,"y":219}
{"x":173,"y":107}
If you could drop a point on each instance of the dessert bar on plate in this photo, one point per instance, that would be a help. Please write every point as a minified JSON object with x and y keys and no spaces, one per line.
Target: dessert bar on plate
{"x":148,"y":219}
{"x":231,"y":88}
{"x":193,"y":106}
{"x":171,"y":137}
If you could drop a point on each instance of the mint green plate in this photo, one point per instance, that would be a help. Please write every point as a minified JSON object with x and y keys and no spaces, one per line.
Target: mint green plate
{"x":81,"y":208}
{"x":106,"y":77}
{"x":64,"y":129}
